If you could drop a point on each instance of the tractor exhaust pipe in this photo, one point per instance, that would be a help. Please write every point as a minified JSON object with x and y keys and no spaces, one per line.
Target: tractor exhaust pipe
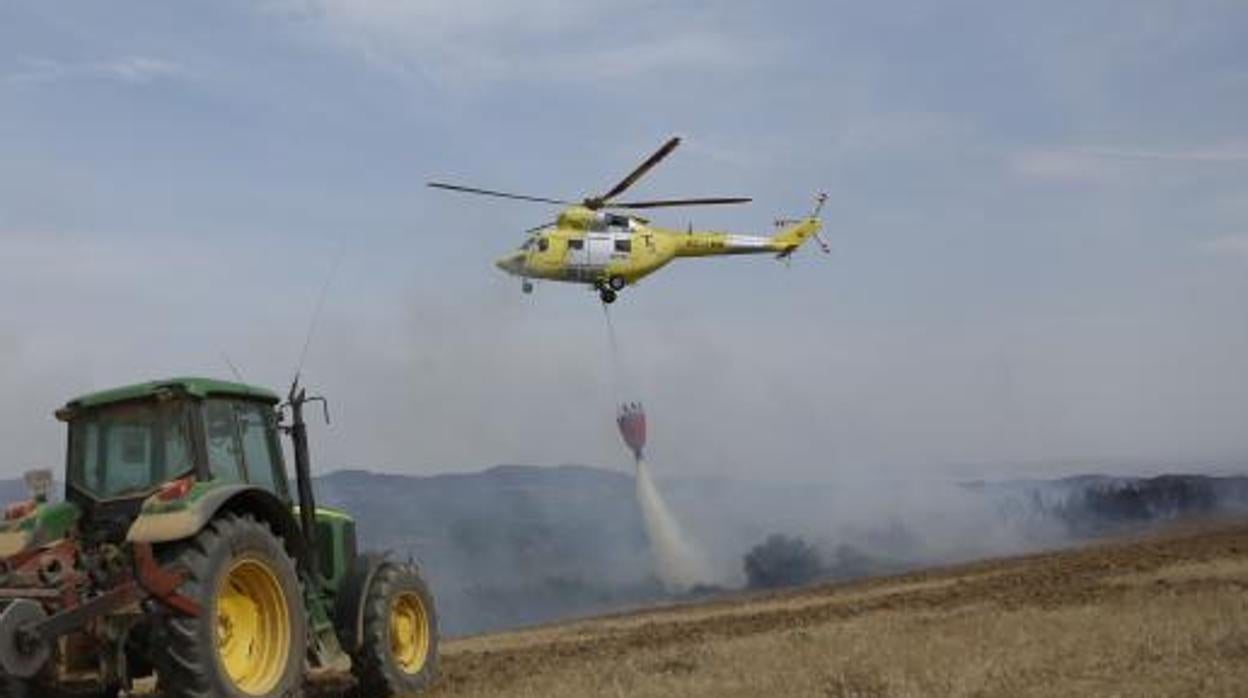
{"x":298,"y":432}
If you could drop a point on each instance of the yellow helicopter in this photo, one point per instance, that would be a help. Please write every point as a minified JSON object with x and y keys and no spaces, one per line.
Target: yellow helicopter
{"x":589,"y":243}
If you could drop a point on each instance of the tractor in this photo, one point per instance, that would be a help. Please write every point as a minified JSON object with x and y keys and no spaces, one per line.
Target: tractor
{"x":179,"y":552}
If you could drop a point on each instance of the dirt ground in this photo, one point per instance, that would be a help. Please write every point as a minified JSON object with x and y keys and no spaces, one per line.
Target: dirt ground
{"x":1162,"y":615}
{"x":1165,"y":615}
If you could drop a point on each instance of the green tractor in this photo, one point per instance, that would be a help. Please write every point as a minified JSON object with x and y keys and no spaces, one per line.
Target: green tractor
{"x":180,"y":552}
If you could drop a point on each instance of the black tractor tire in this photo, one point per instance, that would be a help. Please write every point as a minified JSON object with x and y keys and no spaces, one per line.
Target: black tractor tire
{"x":380,"y":664}
{"x":247,"y":552}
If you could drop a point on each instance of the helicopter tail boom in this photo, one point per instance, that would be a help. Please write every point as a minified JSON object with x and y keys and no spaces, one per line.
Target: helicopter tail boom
{"x":782,"y":244}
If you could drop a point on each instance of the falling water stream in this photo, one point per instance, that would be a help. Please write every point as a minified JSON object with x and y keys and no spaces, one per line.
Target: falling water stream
{"x":679,"y":565}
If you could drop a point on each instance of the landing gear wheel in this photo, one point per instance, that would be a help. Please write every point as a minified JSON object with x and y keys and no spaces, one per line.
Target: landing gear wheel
{"x":398,"y":654}
{"x":251,"y":639}
{"x":526,"y":286}
{"x":616,"y":283}
{"x":607,"y":295}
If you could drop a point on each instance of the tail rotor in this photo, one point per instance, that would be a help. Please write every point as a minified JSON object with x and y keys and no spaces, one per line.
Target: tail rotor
{"x":793,"y":232}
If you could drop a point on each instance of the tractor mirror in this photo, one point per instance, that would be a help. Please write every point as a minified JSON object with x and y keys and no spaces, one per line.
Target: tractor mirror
{"x":39,"y":484}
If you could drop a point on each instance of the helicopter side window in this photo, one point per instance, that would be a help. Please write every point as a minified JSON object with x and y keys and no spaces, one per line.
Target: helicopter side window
{"x":624,"y":246}
{"x":543,"y":244}
{"x":576,"y":244}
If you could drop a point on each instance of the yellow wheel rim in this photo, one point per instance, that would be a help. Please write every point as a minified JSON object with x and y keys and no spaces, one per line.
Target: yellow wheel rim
{"x":253,"y":627}
{"x":409,"y":632}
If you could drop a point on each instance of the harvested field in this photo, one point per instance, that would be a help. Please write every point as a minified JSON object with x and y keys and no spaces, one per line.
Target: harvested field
{"x":1165,"y":615}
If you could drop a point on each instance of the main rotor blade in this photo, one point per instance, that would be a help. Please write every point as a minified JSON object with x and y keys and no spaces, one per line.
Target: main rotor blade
{"x":500,"y":194}
{"x":543,"y":226}
{"x":642,"y":169}
{"x":680,"y":202}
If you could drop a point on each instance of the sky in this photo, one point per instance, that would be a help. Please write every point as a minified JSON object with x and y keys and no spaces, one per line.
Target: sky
{"x":1038,"y":215}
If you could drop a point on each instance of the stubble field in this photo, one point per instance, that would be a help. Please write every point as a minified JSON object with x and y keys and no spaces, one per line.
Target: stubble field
{"x":1164,"y":615}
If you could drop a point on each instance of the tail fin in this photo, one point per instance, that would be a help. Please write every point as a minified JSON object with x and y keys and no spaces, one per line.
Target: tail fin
{"x":788,"y":240}
{"x":795,"y":233}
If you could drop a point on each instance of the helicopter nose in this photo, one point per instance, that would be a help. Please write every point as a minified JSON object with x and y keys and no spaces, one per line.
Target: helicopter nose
{"x":510,"y":263}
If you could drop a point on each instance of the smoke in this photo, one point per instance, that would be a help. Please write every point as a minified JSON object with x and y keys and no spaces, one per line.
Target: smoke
{"x":518,"y":545}
{"x":679,"y":564}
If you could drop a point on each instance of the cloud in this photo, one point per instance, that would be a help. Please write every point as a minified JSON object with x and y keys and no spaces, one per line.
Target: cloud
{"x":140,"y":69}
{"x":1101,"y":163}
{"x":486,"y":41}
{"x":1063,"y":165}
{"x":1230,"y":154}
{"x":134,"y":70}
{"x":1227,"y":245}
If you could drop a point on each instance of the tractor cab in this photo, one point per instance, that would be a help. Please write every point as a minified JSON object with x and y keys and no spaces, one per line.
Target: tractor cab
{"x":128,"y":444}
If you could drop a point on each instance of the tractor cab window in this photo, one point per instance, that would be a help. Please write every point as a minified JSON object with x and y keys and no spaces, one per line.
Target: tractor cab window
{"x":242,"y":444}
{"x":225,"y":458}
{"x":129,"y":449}
{"x":261,"y":452}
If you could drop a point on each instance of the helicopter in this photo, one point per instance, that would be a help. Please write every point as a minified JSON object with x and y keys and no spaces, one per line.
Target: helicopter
{"x":597,"y":242}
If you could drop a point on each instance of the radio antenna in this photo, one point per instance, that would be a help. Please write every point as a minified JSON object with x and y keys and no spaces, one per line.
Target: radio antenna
{"x":316,"y":311}
{"x":238,"y":375}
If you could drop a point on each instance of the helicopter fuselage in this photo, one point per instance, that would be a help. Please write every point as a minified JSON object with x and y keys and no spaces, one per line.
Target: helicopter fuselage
{"x":606,"y":249}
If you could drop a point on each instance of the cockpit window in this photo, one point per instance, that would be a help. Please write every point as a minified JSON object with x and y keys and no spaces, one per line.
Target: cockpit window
{"x":604,"y":221}
{"x":543,"y":244}
{"x":528,"y":244}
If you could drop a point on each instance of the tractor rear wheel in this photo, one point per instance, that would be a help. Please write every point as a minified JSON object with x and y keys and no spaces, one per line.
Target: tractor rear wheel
{"x":251,"y":639}
{"x":398,"y":653}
